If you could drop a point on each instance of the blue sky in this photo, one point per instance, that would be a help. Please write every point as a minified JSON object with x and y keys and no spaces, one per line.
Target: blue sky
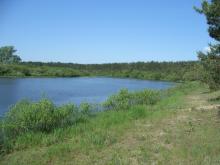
{"x":102,"y":31}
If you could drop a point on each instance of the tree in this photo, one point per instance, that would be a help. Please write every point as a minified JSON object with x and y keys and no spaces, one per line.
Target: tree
{"x":210,"y":60}
{"x":7,"y":55}
{"x":211,"y":64}
{"x":212,"y":14}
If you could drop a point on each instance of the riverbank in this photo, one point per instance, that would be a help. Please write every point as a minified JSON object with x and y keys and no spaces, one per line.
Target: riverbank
{"x":181,"y":128}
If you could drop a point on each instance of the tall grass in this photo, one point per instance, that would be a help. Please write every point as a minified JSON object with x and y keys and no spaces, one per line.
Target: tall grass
{"x":1,"y":136}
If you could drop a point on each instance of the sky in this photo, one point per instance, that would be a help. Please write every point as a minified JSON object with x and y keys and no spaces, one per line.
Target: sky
{"x":103,"y":31}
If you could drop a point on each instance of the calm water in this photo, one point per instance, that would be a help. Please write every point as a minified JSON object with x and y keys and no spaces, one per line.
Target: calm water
{"x":66,"y":90}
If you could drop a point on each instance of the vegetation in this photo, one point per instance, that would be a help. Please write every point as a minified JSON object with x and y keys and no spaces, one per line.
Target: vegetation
{"x":125,"y":99}
{"x":43,"y":116}
{"x":172,"y":71}
{"x":7,"y":55}
{"x":211,"y":60}
{"x":211,"y":64}
{"x":153,"y":133}
{"x":18,"y":70}
{"x":212,"y":14}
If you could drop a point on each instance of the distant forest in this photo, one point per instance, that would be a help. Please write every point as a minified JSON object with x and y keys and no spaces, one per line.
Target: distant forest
{"x":171,"y":71}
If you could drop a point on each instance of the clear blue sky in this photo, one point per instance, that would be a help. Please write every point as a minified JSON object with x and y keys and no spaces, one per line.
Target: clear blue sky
{"x":101,"y":31}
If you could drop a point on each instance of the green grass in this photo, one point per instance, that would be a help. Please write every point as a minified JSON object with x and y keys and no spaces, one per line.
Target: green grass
{"x":140,"y":134}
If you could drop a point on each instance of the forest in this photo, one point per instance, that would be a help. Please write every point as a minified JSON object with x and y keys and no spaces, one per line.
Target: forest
{"x":169,"y":71}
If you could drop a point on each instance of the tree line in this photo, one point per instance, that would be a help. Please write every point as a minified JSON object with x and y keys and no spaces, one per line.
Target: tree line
{"x":171,"y":71}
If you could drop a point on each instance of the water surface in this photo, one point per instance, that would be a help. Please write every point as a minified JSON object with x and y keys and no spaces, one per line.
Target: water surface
{"x":66,"y":90}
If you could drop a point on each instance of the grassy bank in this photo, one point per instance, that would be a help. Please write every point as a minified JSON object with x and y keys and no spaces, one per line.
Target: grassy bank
{"x":93,"y":139}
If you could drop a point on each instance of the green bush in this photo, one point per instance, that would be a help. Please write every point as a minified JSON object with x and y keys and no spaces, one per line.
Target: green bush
{"x":41,"y":116}
{"x":124,"y":99}
{"x":118,"y":101}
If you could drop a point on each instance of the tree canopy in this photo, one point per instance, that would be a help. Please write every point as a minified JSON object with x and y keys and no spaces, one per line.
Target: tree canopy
{"x":7,"y":55}
{"x":212,"y":14}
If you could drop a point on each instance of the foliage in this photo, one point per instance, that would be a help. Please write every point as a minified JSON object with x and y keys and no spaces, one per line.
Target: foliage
{"x":15,"y":70}
{"x":211,"y":64}
{"x":42,"y":116}
{"x":211,"y":59}
{"x":172,"y":71}
{"x":212,"y":14}
{"x":194,"y":74}
{"x":7,"y":55}
{"x":125,"y":99}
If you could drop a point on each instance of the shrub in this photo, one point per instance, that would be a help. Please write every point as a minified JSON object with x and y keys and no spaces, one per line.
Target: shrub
{"x":124,"y":99}
{"x":42,"y":116}
{"x":66,"y":115}
{"x":118,"y":101}
{"x":26,"y":116}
